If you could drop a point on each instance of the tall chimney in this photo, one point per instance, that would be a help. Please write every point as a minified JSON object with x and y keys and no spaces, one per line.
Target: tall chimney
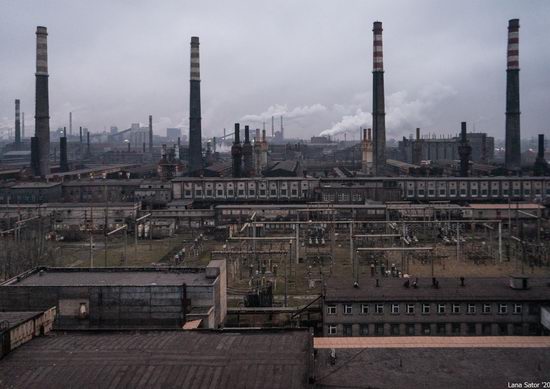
{"x":22,"y":125}
{"x":35,"y":156}
{"x":282,"y":129}
{"x":63,"y":160}
{"x":378,"y":105}
{"x":195,"y":132}
{"x":464,"y":151}
{"x":42,"y":110}
{"x":513,"y":134}
{"x":237,"y":153}
{"x":247,"y":154}
{"x":17,"y":124}
{"x":272,"y":127}
{"x":81,"y":135}
{"x":541,"y":166}
{"x":150,"y":133}
{"x":88,"y":143}
{"x":417,"y":149}
{"x":70,"y":124}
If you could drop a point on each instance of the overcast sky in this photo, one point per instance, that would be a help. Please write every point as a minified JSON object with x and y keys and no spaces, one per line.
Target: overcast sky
{"x":115,"y":62}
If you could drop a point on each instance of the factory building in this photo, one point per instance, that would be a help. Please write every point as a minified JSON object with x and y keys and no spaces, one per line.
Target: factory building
{"x":88,"y":298}
{"x":444,"y":149}
{"x":443,"y":306}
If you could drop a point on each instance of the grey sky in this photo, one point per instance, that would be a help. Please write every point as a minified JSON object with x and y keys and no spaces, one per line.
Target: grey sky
{"x":115,"y":62}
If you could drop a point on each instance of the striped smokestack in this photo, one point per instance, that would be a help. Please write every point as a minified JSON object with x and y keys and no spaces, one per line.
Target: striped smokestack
{"x":150,"y":133}
{"x":195,"y":132}
{"x":17,"y":124}
{"x":42,"y":110}
{"x":378,"y":106}
{"x":513,"y":133}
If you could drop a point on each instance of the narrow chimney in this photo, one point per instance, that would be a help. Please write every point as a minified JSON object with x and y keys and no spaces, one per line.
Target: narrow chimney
{"x":247,"y":154}
{"x":513,"y":133}
{"x":42,"y":110}
{"x":22,"y":125}
{"x":70,"y":123}
{"x":81,"y":135}
{"x":418,"y":134}
{"x":35,"y":156}
{"x":378,"y":104}
{"x":150,"y":133}
{"x":88,"y":143}
{"x":464,"y":151}
{"x":195,"y":131}
{"x":63,"y":159}
{"x":541,"y":166}
{"x":17,"y":124}
{"x":236,"y":153}
{"x":540,"y":153}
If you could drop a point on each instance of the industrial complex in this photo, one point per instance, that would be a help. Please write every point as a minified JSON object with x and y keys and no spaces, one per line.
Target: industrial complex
{"x":258,"y":259}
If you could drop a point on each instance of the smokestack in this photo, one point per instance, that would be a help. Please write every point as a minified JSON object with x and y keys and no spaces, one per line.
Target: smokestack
{"x":23,"y":125}
{"x":272,"y":127}
{"x":88,"y":143}
{"x":236,"y":153}
{"x":417,"y":149}
{"x":17,"y":124}
{"x":464,"y":151}
{"x":70,"y":123}
{"x":35,"y":157}
{"x":378,"y":105}
{"x":247,"y":154}
{"x":42,"y":110}
{"x":63,"y":160}
{"x":282,"y":129}
{"x":541,"y":166}
{"x":513,"y":133}
{"x":150,"y":133}
{"x":195,"y":131}
{"x":418,"y":134}
{"x":80,"y":134}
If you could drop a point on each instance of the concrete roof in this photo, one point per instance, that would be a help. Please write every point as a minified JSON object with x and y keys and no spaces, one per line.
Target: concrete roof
{"x":175,"y":276}
{"x":16,"y":318}
{"x":448,"y":368}
{"x":475,"y":289}
{"x":174,"y":359}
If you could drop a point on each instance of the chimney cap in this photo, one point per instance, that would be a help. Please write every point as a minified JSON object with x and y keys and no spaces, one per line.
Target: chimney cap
{"x":513,"y":23}
{"x":195,"y":39}
{"x":41,"y":30}
{"x":377,"y":26}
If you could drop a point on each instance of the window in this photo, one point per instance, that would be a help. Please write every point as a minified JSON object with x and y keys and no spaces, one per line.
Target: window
{"x":431,"y":192}
{"x":294,"y":192}
{"x":410,"y":309}
{"x":471,"y":309}
{"x":230,"y":192}
{"x":455,"y":328}
{"x":364,"y":329}
{"x":187,"y":193}
{"x":494,"y":192}
{"x":463,"y":192}
{"x":517,"y":309}
{"x":421,"y":192}
{"x":252,"y":192}
{"x":209,"y":192}
{"x":331,"y":309}
{"x":347,"y":309}
{"x":273,"y":192}
{"x":486,"y":329}
{"x":425,"y":309}
{"x":379,"y":308}
{"x":220,"y":192}
{"x":410,"y":329}
{"x":332,"y":330}
{"x":426,"y":329}
{"x":241,"y":192}
{"x":503,"y":329}
{"x":410,"y":193}
{"x":364,"y":309}
{"x":347,"y":330}
{"x":441,"y":328}
{"x":379,"y":329}
{"x":534,"y":309}
{"x":456,"y":308}
{"x":503,"y":309}
{"x":283,"y":192}
{"x":394,"y":329}
{"x":440,"y":309}
{"x":474,"y":192}
{"x":395,"y":309}
{"x":452,"y":192}
{"x":486,"y":308}
{"x":262,"y":192}
{"x":471,"y":329}
{"x":518,"y":329}
{"x":505,"y":192}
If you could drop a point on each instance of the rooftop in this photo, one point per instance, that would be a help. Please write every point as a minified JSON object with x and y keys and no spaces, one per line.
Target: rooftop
{"x":137,"y":276}
{"x":217,"y":359}
{"x":15,"y":318}
{"x":475,"y":289}
{"x":431,"y":367}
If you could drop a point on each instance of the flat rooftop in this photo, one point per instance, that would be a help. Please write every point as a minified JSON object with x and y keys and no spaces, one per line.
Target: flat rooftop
{"x":15,"y":318}
{"x":173,"y":276}
{"x":474,"y":289}
{"x":447,"y":368}
{"x":172,"y":359}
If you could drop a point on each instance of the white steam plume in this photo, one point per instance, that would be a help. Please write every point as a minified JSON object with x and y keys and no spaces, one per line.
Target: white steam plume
{"x":282,"y":109}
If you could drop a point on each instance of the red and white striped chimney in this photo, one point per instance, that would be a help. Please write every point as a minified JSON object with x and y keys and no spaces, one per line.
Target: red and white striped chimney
{"x":378,"y":57}
{"x":513,"y":44}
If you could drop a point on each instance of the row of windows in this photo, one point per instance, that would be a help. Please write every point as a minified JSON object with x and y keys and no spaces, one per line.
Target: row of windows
{"x":463,"y":192}
{"x":242,"y":193}
{"x":412,"y":329}
{"x":426,"y":308}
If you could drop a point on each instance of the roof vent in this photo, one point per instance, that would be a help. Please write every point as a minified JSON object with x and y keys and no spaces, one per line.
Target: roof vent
{"x":462,"y":281}
{"x":519,"y":282}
